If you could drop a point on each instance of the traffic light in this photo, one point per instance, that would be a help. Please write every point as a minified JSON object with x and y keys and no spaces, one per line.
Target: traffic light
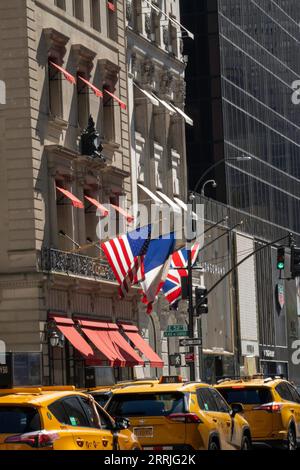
{"x":201,"y":301}
{"x":184,"y":288}
{"x":280,"y":258}
{"x":295,"y":262}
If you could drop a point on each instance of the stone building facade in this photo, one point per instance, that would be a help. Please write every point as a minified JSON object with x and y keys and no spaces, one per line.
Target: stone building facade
{"x":48,"y":46}
{"x":156,"y":99}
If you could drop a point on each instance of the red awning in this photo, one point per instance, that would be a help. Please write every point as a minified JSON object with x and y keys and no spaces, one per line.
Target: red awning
{"x":121,"y":211}
{"x":111,"y":6}
{"x":120,"y":102}
{"x":66,"y":74}
{"x":75,"y":201}
{"x":67,"y":327}
{"x":104,"y":211}
{"x":132,"y":333}
{"x":96,"y":90}
{"x":108,"y":340}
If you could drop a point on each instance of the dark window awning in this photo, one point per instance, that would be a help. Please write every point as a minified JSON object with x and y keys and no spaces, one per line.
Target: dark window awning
{"x":132,"y":332}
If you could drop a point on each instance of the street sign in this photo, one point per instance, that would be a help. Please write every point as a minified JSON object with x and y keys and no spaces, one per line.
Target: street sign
{"x":191,"y":342}
{"x":176,"y":327}
{"x":172,"y":334}
{"x":176,"y":330}
{"x":175,"y":360}
{"x":190,"y":358}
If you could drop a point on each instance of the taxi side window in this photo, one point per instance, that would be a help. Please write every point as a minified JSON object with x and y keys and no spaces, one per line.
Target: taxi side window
{"x":58,"y":412}
{"x":206,"y":400}
{"x":221,"y":403}
{"x":283,"y":390}
{"x":75,"y":412}
{"x":104,"y":421}
{"x":294,"y":393}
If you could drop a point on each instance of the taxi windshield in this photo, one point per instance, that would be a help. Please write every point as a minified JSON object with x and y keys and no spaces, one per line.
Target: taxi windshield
{"x":150,"y":404}
{"x":19,"y":420}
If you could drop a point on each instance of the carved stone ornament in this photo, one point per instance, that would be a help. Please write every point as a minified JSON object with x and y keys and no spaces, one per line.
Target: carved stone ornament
{"x":148,"y":72}
{"x":181,"y":92}
{"x":129,"y":10}
{"x":166,"y":82}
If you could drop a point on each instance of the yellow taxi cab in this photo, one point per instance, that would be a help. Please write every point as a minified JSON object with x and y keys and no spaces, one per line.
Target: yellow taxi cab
{"x":271,"y":406}
{"x":177,"y":415}
{"x":59,"y":418}
{"x":102,"y":394}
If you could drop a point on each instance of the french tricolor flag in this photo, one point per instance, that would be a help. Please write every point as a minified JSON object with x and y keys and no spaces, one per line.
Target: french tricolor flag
{"x":156,"y":267}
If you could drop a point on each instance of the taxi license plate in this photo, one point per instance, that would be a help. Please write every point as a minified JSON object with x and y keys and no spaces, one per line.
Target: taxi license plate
{"x":143,"y":432}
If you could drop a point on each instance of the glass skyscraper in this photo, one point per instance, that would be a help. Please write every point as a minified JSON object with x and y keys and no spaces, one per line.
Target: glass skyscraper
{"x":241,"y":69}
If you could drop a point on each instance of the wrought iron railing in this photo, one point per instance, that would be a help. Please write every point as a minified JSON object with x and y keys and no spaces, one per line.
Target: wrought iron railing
{"x":57,"y":261}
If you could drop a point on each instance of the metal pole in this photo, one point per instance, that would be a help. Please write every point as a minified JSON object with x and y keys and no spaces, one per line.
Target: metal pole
{"x":191,"y":307}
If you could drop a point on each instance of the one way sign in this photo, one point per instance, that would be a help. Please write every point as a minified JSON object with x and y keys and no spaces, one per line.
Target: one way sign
{"x":190,"y":342}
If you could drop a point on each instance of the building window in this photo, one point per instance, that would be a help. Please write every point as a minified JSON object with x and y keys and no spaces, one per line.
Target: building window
{"x":137,"y":16}
{"x":155,"y":27}
{"x":175,"y":172}
{"x":108,"y":116}
{"x":91,"y":221}
{"x":83,"y":101}
{"x":55,"y":90}
{"x":78,"y":9}
{"x":173,"y":40}
{"x":60,"y":4}
{"x":65,"y":224}
{"x":112,"y":20}
{"x":140,"y":157}
{"x":158,"y":165}
{"x":95,"y":14}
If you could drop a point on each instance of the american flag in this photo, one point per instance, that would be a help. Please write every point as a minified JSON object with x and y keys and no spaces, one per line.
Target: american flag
{"x":125,"y":255}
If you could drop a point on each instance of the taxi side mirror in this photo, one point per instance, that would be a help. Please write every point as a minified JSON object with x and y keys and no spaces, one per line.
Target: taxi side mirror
{"x":121,"y":423}
{"x":236,"y":408}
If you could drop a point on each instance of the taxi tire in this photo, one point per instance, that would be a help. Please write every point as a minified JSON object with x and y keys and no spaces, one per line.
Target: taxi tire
{"x":245,"y":444}
{"x":214,"y":444}
{"x":291,"y":439}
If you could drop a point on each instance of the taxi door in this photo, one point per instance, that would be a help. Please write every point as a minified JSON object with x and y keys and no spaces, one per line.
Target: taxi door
{"x":219,"y":418}
{"x":86,"y":433}
{"x":225,"y":419}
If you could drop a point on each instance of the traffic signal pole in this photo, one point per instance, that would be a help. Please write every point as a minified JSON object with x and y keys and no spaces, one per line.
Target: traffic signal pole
{"x":191,"y":306}
{"x":242,"y":261}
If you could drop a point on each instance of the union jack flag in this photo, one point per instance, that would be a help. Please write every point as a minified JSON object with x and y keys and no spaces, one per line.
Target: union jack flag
{"x":125,"y":255}
{"x":172,"y":286}
{"x":180,"y":259}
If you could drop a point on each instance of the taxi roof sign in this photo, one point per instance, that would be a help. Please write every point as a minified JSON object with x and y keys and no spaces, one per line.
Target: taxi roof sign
{"x":170,"y":379}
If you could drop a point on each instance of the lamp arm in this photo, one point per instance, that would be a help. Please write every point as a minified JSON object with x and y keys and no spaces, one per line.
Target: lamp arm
{"x":212,"y":167}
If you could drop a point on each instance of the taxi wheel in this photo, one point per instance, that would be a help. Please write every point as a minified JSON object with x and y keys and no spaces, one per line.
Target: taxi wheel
{"x":245,"y":444}
{"x":291,"y":439}
{"x":213,"y":445}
